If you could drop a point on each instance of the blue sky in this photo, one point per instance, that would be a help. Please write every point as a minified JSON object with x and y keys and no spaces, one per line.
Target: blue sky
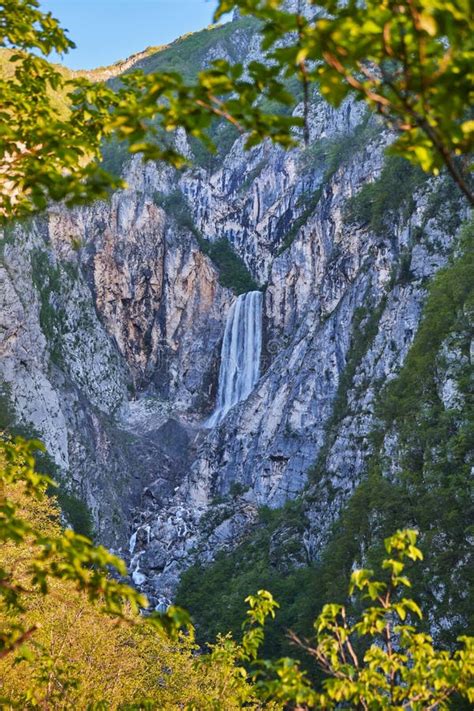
{"x":107,"y":30}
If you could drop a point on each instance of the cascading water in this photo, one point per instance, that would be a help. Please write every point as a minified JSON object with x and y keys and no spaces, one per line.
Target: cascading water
{"x":240,"y":354}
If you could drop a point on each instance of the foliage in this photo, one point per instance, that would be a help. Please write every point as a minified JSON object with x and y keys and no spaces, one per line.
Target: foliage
{"x":233,"y":273}
{"x":50,"y":154}
{"x":409,"y":60}
{"x":388,"y":198}
{"x":70,"y":634}
{"x":380,"y":660}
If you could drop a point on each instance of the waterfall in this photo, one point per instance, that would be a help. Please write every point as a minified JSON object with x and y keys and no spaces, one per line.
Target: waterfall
{"x":240,"y":354}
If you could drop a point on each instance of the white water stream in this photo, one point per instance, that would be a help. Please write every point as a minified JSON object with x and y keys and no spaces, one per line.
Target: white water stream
{"x":240,"y":354}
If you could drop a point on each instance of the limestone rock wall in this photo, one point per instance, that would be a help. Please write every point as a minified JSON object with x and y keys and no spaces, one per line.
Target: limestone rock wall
{"x":112,"y":318}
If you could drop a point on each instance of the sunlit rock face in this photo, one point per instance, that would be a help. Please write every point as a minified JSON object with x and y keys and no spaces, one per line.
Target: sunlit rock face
{"x":113,"y":316}
{"x":101,"y":306}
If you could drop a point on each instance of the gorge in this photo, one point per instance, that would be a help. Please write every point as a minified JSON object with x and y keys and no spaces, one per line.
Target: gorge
{"x":228,"y":364}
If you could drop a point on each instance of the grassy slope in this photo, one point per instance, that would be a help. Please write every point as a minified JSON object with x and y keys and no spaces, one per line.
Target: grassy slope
{"x":175,"y":57}
{"x":166,"y":58}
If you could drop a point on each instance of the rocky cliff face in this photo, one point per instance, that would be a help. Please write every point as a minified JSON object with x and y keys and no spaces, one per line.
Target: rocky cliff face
{"x":339,"y":296}
{"x":100,"y":306}
{"x":112,"y":318}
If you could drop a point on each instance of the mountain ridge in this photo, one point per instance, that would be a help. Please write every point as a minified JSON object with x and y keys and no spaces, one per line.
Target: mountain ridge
{"x":113,"y":317}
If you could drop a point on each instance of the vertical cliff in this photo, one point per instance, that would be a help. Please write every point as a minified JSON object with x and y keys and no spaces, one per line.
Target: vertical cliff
{"x":99,"y":306}
{"x":112,"y":324}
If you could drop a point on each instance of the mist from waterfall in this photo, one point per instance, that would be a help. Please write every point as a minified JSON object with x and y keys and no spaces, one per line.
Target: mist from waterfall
{"x":240,"y":354}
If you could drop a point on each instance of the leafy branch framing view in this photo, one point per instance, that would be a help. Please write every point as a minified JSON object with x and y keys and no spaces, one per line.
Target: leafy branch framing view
{"x":411,"y":61}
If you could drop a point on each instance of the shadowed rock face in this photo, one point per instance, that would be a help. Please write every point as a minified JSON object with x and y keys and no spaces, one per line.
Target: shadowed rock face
{"x":112,"y":319}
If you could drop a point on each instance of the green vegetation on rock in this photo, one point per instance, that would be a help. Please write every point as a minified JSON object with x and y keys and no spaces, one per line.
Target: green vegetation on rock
{"x":308,"y":203}
{"x":223,"y":135}
{"x":388,"y":198}
{"x":75,"y":511}
{"x":114,"y":155}
{"x":46,"y":276}
{"x":424,"y":487}
{"x":233,"y":273}
{"x":175,"y":205}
